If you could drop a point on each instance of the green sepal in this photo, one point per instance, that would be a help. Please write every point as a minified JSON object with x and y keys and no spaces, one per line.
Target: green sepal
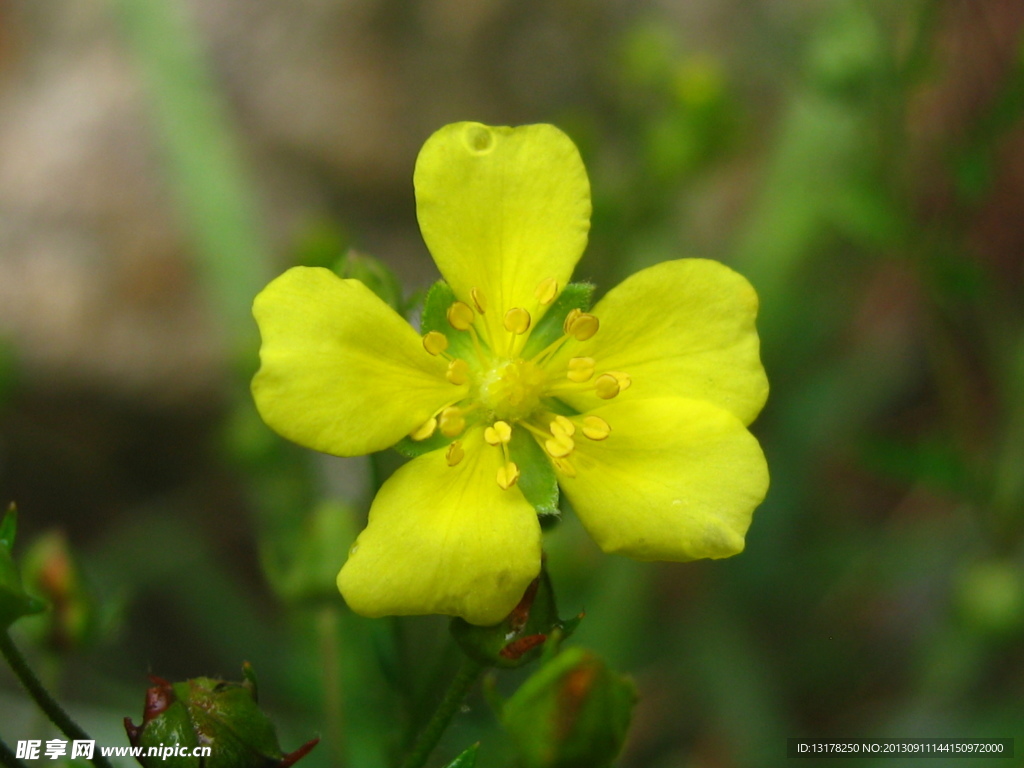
{"x":374,"y":274}
{"x":412,"y":448}
{"x":531,"y":628}
{"x":537,"y":479}
{"x":435,"y":318}
{"x":15,"y":602}
{"x":549,"y":327}
{"x":466,"y":760}
{"x":573,"y":711}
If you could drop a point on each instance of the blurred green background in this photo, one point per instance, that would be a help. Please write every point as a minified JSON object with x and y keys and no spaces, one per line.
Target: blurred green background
{"x":860,"y":161}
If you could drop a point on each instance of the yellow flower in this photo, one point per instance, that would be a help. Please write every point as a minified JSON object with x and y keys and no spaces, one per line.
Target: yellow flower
{"x":637,"y":408}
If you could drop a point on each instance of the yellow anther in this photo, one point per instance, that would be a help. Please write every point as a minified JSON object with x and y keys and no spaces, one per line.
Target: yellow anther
{"x":570,"y":319}
{"x":452,"y":421}
{"x":507,"y":475}
{"x":559,"y":446}
{"x":623,"y":378}
{"x":581,"y":369}
{"x":454,"y":454}
{"x":583,"y":326}
{"x":458,"y":372}
{"x":479,"y":301}
{"x":499,"y":433}
{"x":424,"y":431}
{"x":560,"y":426}
{"x":517,"y":321}
{"x":565,"y":467}
{"x":547,"y":290}
{"x":596,"y":428}
{"x":435,"y":342}
{"x":606,"y":386}
{"x":460,"y":316}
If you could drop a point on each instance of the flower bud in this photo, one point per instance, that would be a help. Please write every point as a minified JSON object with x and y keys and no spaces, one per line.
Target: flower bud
{"x":50,"y":570}
{"x":374,"y":274}
{"x":14,"y":601}
{"x":520,"y":637}
{"x":572,"y":713}
{"x":203,"y":712}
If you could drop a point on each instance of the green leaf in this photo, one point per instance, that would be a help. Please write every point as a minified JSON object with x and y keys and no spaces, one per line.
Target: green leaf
{"x":8,"y":527}
{"x":466,"y":760}
{"x":537,"y":478}
{"x":14,"y":601}
{"x":204,"y":162}
{"x":549,"y":327}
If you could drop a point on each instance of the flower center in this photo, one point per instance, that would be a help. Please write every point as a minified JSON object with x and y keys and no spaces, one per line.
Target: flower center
{"x":511,"y":390}
{"x":510,"y":393}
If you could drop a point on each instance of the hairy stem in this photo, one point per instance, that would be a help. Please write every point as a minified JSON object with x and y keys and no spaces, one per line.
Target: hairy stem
{"x":8,"y":758}
{"x":43,"y":699}
{"x":450,"y":704}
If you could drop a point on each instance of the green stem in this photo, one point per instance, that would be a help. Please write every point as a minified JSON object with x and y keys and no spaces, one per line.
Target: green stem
{"x":8,"y":758}
{"x":450,"y":704}
{"x":42,"y":697}
{"x":334,"y":708}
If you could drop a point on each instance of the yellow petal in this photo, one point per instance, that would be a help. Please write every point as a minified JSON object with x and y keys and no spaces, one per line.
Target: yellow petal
{"x":502,"y":210}
{"x":341,"y":372}
{"x":446,"y":540}
{"x":680,"y":329}
{"x":674,"y":480}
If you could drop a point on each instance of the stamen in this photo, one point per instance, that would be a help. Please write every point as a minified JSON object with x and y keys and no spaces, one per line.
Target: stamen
{"x":549,"y":350}
{"x":458,"y":372}
{"x":581,"y":369}
{"x":507,"y":475}
{"x":517,"y":321}
{"x":560,"y":425}
{"x":623,"y":378}
{"x":479,"y":301}
{"x":565,"y":466}
{"x":460,"y":316}
{"x":596,"y":428}
{"x":499,"y":433}
{"x":425,"y":430}
{"x":559,"y":446}
{"x":570,"y":319}
{"x":452,"y":421}
{"x":546,"y":291}
{"x":435,"y":343}
{"x":533,"y":429}
{"x":480,"y":356}
{"x":454,"y":454}
{"x":606,"y":386}
{"x":583,"y":326}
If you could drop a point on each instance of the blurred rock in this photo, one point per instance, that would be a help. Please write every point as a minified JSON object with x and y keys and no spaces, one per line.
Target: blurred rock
{"x":331,"y":101}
